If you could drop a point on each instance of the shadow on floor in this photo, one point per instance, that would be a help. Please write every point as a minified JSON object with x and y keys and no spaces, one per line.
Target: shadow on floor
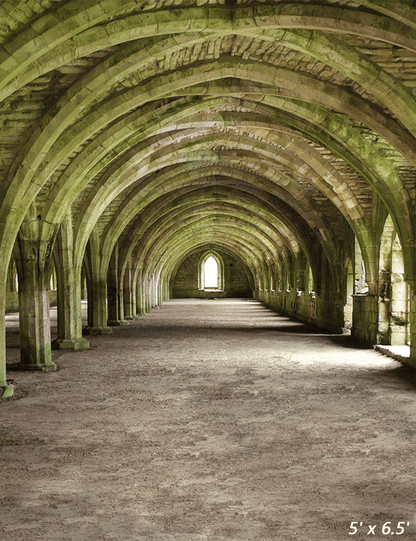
{"x":403,"y":373}
{"x":346,"y":341}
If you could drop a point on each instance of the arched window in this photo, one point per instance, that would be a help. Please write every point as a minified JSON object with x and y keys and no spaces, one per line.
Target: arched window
{"x":211,"y":272}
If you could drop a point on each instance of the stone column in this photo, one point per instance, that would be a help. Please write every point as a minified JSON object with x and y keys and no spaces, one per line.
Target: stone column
{"x":163,"y":291}
{"x":399,"y":298}
{"x":97,"y":296}
{"x":11,"y":277}
{"x":129,"y":292}
{"x":114,"y":292}
{"x":147,"y":295}
{"x":412,"y":323}
{"x":155,"y":288}
{"x":365,"y":319}
{"x":84,"y":294}
{"x":150,"y":289}
{"x":140,"y":297}
{"x":32,"y":257}
{"x":337,"y":310}
{"x":6,"y":389}
{"x":69,"y":293}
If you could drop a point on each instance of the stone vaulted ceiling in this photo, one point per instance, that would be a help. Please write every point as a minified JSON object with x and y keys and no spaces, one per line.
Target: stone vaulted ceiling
{"x":265,"y":129}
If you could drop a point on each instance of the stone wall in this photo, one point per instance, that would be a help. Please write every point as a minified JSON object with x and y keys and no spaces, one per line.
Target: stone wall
{"x":307,"y":307}
{"x":236,"y":283}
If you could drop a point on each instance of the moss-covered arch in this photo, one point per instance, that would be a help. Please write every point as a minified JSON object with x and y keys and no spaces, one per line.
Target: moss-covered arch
{"x":165,"y":210}
{"x":293,"y":232}
{"x":258,"y":204}
{"x":206,"y":222}
{"x":86,"y":156}
{"x":17,"y":70}
{"x":297,"y":34}
{"x":116,"y":108}
{"x":186,"y":156}
{"x":364,"y":243}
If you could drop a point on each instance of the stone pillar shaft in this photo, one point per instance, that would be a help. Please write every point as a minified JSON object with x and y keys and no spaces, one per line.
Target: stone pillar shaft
{"x":114,"y":292}
{"x":140,"y":299}
{"x":6,"y":389}
{"x":97,"y":304}
{"x":69,"y":293}
{"x":129,"y":293}
{"x":97,"y":290}
{"x":35,"y":330}
{"x":69,"y":312}
{"x":365,"y":319}
{"x":32,"y":255}
{"x":412,"y":326}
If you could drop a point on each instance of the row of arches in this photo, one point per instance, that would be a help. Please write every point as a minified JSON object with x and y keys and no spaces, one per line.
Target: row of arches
{"x":135,"y":135}
{"x":392,"y":327}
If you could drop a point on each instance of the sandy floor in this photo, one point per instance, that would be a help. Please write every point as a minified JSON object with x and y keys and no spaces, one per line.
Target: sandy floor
{"x":210,"y":420}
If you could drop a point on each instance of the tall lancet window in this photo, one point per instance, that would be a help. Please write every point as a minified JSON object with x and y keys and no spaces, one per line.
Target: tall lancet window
{"x":211,"y":274}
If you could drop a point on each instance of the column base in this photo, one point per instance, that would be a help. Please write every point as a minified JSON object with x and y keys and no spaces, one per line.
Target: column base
{"x":129,"y":318}
{"x":6,"y":391}
{"x":117,"y":322}
{"x":94,"y":331}
{"x":70,"y":345}
{"x":35,"y":367}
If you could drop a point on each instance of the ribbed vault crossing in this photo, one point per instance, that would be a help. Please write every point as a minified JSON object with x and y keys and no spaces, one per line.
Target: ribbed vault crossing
{"x":136,"y":135}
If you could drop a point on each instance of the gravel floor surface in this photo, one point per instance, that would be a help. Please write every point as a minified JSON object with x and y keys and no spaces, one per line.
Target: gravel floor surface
{"x":210,"y":420}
